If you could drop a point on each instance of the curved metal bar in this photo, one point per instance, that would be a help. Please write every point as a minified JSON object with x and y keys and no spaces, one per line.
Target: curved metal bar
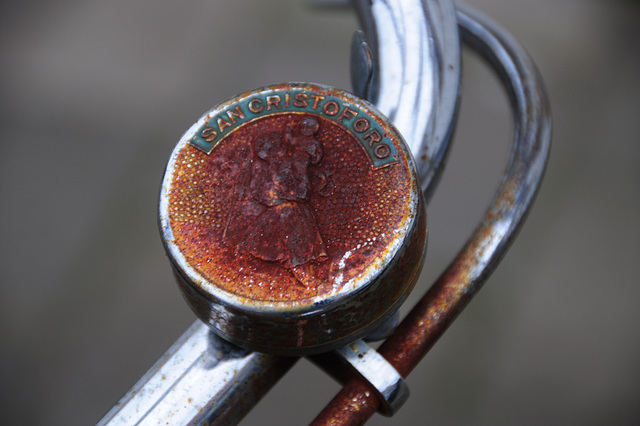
{"x":418,"y":85}
{"x":428,"y":320}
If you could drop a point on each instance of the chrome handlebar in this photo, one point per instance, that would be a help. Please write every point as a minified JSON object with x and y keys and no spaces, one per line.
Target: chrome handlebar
{"x":408,"y":62}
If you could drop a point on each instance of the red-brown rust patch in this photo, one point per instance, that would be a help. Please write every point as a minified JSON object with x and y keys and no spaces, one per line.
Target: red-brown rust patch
{"x":353,"y":405}
{"x":234,"y":221}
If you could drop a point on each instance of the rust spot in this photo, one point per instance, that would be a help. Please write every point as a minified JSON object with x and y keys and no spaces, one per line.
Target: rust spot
{"x":354,"y":404}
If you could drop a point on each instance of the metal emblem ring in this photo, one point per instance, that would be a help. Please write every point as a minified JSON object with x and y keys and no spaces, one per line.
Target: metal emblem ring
{"x":293,"y":218}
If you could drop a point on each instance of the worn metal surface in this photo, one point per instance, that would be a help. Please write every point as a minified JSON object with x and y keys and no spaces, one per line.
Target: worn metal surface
{"x":429,"y":319}
{"x":294,"y":218}
{"x":201,"y":379}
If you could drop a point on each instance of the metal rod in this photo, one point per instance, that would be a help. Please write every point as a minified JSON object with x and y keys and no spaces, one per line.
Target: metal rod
{"x":433,"y":314}
{"x":200,"y":379}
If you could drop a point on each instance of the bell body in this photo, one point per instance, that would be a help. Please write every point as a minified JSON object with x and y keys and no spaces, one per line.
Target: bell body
{"x":293,"y":219}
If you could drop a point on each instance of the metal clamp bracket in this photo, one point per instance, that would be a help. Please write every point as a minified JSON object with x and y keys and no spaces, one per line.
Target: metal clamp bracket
{"x":371,"y":367}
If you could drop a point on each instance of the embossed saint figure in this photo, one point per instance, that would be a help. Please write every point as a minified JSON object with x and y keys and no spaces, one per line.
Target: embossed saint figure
{"x":271,"y":220}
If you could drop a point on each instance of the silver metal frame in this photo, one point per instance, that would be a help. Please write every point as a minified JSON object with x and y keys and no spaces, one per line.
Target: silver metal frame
{"x":201,"y":377}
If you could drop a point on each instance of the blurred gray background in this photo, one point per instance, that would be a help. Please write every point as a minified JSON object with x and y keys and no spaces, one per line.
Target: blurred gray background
{"x":93,"y":97}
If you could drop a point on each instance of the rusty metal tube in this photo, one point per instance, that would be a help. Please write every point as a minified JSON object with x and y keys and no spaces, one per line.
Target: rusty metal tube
{"x":429,"y":319}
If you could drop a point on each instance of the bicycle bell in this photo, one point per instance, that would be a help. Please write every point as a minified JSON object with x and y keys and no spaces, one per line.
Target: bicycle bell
{"x":293,"y":218}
